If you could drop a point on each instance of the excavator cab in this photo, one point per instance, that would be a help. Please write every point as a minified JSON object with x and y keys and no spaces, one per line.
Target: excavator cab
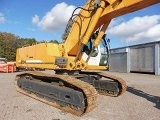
{"x":100,"y":54}
{"x":95,"y":55}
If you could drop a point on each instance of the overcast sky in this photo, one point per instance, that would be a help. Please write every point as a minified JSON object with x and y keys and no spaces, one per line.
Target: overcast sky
{"x":46,"y":20}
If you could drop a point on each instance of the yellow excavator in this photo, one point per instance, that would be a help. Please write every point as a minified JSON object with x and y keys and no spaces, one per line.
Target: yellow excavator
{"x":72,"y":88}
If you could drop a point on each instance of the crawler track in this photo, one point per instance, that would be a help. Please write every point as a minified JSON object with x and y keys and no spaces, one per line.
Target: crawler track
{"x":89,"y":92}
{"x":114,"y":86}
{"x":77,"y":85}
{"x":121,"y":83}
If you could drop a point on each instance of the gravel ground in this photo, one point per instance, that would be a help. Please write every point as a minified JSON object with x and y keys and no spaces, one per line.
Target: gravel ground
{"x":140,"y":102}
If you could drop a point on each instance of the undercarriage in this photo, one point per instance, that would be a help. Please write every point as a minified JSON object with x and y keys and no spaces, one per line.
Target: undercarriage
{"x":71,"y":91}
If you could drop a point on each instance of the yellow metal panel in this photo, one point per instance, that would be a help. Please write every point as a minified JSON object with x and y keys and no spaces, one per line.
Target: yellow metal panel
{"x":94,"y":67}
{"x":53,"y":49}
{"x":38,"y":56}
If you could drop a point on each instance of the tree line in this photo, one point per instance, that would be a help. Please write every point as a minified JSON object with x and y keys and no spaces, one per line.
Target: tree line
{"x":10,"y":42}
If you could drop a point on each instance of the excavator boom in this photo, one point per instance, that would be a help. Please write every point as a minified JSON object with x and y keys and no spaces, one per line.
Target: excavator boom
{"x":89,"y":20}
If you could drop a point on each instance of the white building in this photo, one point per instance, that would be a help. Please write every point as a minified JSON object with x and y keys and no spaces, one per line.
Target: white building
{"x":136,"y":58}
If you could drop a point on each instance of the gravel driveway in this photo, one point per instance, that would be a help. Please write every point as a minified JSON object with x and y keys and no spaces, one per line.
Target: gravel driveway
{"x":140,"y":102}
